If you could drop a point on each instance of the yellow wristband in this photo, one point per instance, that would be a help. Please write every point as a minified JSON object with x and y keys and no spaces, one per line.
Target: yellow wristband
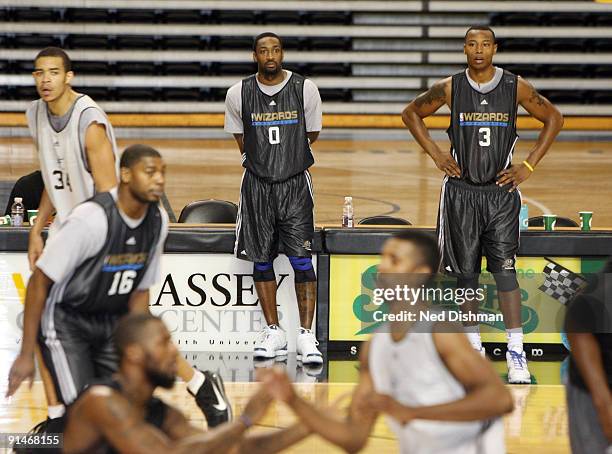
{"x":528,"y":165}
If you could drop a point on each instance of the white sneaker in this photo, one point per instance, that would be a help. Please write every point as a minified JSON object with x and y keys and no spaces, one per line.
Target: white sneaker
{"x":308,"y":373}
{"x":271,"y":342}
{"x":517,"y":367}
{"x":265,"y":363}
{"x":307,"y":351}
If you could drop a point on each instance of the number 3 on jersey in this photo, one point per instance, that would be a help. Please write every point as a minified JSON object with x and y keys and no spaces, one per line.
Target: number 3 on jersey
{"x":123,"y":281}
{"x":486,"y":138}
{"x":274,"y":135}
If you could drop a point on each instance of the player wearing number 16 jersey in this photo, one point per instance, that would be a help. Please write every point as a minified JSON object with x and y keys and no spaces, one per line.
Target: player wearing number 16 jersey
{"x":480,"y":201}
{"x":275,"y":115}
{"x":98,"y":266}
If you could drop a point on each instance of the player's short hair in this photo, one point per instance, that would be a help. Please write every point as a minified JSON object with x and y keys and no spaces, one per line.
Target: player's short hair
{"x":132,"y":329}
{"x":56,"y":52}
{"x":135,"y":153}
{"x":480,"y":28}
{"x":425,"y":243}
{"x":266,"y":35}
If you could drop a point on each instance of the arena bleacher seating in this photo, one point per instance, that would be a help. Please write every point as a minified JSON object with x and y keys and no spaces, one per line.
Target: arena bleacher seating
{"x":366,"y":57}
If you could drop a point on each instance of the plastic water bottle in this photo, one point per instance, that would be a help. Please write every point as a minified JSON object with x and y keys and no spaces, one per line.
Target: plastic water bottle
{"x":347,"y":213}
{"x":17,"y":210}
{"x":524,"y":218}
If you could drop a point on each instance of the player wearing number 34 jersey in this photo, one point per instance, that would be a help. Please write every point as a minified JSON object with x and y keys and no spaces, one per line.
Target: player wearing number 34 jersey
{"x":74,"y":139}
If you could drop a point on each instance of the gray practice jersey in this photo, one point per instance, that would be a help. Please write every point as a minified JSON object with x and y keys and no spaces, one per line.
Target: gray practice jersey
{"x":412,"y":372}
{"x":60,"y":142}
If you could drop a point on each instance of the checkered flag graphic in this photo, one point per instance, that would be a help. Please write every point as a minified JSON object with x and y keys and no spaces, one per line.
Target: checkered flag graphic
{"x":561,"y":283}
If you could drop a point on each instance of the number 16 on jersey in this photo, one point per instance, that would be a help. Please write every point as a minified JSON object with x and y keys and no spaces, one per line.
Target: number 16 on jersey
{"x":123,"y":281}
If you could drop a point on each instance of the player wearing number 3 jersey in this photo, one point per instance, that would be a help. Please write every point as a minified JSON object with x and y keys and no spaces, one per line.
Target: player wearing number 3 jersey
{"x":480,"y":201}
{"x":275,"y":115}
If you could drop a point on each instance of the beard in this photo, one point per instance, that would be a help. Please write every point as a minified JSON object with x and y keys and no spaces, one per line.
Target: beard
{"x":142,"y":198}
{"x":159,"y":378}
{"x":271,"y":72}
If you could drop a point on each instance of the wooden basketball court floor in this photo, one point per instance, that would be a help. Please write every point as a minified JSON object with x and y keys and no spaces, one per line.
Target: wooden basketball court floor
{"x":537,"y":424}
{"x":384,"y":177}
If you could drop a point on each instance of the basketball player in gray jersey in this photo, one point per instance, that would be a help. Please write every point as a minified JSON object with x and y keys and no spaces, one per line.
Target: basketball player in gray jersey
{"x":77,"y":154}
{"x":275,"y":116}
{"x":439,"y":394}
{"x":78,"y":157}
{"x":480,"y":201}
{"x":75,"y":143}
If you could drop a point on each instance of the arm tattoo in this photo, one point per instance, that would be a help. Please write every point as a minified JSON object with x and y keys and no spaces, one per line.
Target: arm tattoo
{"x":536,"y":97}
{"x":435,"y":93}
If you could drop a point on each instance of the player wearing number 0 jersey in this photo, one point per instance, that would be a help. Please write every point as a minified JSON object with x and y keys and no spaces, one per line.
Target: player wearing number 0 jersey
{"x":480,"y":201}
{"x":275,"y":115}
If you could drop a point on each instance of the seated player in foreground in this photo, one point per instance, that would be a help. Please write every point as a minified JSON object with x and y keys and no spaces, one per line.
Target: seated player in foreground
{"x":120,"y":414}
{"x":440,"y":394}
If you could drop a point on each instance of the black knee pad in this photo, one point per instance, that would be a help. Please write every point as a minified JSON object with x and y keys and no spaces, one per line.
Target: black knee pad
{"x":302,"y":266}
{"x":506,"y":281}
{"x":468,"y":281}
{"x":263,"y":272}
{"x":301,"y":277}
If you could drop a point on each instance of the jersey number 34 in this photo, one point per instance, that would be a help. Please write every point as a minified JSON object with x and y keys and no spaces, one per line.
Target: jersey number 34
{"x":62,"y":180}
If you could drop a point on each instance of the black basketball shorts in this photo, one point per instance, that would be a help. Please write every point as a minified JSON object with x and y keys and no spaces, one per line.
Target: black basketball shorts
{"x":274,"y":217}
{"x":475,"y":220}
{"x":77,"y":349}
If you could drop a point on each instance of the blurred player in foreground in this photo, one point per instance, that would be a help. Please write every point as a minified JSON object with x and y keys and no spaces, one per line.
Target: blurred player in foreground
{"x":120,"y":414}
{"x":440,"y":395}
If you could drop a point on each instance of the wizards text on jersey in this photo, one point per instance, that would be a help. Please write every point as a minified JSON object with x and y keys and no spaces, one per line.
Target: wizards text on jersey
{"x":484,"y":119}
{"x":274,"y":118}
{"x":120,"y":262}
